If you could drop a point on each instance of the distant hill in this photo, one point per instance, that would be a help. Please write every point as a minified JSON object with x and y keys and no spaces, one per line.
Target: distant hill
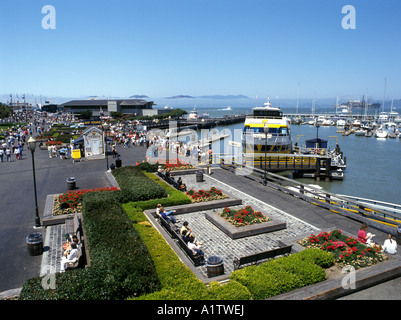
{"x":138,"y":96}
{"x":179,"y":97}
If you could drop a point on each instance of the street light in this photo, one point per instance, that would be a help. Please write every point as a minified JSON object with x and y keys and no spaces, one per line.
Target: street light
{"x":105,"y":147}
{"x":266,"y":129}
{"x":32,"y":147}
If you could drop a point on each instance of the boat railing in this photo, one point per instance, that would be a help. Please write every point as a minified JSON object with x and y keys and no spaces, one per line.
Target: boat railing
{"x":305,"y":150}
{"x":265,"y":117}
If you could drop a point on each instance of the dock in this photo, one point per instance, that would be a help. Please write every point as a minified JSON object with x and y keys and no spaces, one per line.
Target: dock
{"x":194,"y":124}
{"x":307,"y":165}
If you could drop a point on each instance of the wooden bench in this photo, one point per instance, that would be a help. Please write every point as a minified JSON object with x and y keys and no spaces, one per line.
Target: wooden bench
{"x":170,"y":180}
{"x":73,"y":226}
{"x":175,"y":234}
{"x":261,"y":256}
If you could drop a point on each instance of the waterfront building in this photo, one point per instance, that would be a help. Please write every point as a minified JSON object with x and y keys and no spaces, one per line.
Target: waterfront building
{"x":104,"y":107}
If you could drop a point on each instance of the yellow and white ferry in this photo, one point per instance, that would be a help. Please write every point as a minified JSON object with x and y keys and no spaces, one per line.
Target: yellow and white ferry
{"x":266,"y":131}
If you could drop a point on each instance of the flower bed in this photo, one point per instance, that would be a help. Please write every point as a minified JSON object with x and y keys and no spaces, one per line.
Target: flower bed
{"x":206,"y":195}
{"x":54,"y":143}
{"x":71,"y":201}
{"x":175,"y":164}
{"x":346,"y":250}
{"x":243,"y":217}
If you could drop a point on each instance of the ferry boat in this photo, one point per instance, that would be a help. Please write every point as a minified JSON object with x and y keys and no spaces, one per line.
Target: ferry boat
{"x":193,"y":114}
{"x":276,"y":138}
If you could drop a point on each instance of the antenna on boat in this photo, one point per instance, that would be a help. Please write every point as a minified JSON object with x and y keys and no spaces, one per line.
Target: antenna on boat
{"x":384,"y":96}
{"x":298,"y":98}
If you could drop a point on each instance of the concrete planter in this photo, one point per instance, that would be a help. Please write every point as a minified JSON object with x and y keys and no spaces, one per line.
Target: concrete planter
{"x":245,"y":231}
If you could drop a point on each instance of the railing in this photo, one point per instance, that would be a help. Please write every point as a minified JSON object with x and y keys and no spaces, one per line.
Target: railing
{"x":364,"y":211}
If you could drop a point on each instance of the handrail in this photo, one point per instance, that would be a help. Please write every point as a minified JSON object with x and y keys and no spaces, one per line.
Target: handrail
{"x":334,"y":202}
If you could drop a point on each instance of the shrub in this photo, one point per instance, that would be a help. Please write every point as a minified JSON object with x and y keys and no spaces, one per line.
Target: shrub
{"x":281,"y":275}
{"x":136,"y":186}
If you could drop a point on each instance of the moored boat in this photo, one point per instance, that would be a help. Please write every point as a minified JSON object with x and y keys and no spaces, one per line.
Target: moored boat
{"x":267,"y":130}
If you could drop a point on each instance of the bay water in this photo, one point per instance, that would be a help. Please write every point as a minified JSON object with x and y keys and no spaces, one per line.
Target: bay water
{"x":373,"y":165}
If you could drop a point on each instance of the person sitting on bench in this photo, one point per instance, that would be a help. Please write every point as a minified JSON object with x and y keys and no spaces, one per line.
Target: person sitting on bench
{"x":167,"y":215}
{"x":182,"y":185}
{"x":195,"y":249}
{"x":184,"y":237}
{"x":70,"y":256}
{"x":188,"y":231}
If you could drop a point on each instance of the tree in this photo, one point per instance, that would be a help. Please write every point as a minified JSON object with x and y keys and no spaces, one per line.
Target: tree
{"x":5,"y":111}
{"x":86,"y":115}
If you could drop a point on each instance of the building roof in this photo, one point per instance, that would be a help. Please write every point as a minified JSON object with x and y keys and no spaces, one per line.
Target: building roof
{"x":103,"y":102}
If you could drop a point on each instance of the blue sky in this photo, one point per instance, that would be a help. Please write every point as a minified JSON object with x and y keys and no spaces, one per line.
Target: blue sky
{"x":168,"y":47}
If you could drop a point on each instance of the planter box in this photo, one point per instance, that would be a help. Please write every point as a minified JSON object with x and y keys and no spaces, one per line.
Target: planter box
{"x":246,"y":231}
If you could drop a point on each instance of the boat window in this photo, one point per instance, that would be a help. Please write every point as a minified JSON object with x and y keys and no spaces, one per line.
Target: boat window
{"x":267,"y":113}
{"x":283,"y":131}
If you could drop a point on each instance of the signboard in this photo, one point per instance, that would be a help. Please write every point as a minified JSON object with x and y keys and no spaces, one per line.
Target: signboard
{"x":92,"y":122}
{"x":76,"y":154}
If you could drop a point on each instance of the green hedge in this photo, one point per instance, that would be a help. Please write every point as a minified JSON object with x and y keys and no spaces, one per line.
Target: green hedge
{"x":285,"y":273}
{"x":136,"y":186}
{"x":120,"y":262}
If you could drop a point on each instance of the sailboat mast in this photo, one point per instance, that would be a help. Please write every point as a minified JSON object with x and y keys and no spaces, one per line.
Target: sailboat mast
{"x":298,"y":98}
{"x":384,"y":95}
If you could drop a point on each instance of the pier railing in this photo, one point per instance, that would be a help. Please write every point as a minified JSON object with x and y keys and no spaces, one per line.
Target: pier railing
{"x":377,"y":217}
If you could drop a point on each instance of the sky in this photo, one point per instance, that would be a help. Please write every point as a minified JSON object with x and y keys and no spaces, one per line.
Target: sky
{"x":162,"y":48}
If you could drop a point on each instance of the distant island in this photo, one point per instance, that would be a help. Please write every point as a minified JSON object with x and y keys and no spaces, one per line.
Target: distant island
{"x":220,"y":97}
{"x":180,"y":97}
{"x":138,"y":96}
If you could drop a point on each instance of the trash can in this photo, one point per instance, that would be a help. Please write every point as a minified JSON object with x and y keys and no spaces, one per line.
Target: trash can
{"x":399,"y":234}
{"x":118,"y":163}
{"x":215,"y":266}
{"x":71,"y":183}
{"x":35,"y":243}
{"x":199,"y":176}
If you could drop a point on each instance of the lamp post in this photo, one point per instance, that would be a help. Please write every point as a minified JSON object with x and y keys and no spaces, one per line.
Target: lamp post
{"x":32,"y":147}
{"x":266,"y":129}
{"x":105,"y":147}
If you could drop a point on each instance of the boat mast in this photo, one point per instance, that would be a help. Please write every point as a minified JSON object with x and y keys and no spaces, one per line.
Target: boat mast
{"x":298,"y":98}
{"x":384,"y":95}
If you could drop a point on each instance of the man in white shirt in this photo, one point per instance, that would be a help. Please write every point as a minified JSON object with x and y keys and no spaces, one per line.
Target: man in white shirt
{"x":70,"y":257}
